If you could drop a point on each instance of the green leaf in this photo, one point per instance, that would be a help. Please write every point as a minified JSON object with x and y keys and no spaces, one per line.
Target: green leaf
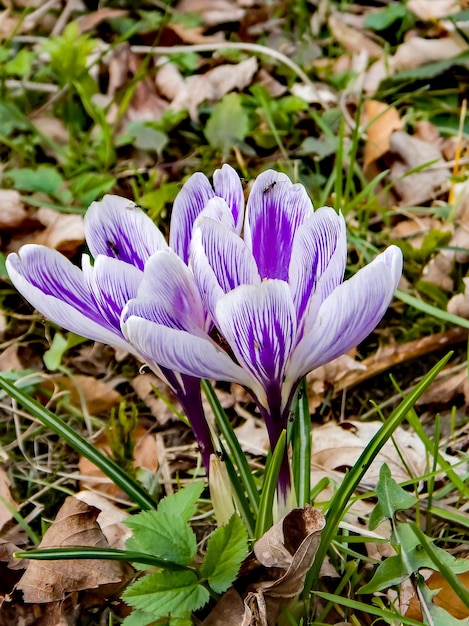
{"x":147,"y":138}
{"x":167,"y":592}
{"x":380,"y":20}
{"x":45,"y":179}
{"x":89,"y":186}
{"x":182,"y":503}
{"x":20,"y":65}
{"x":391,"y":498}
{"x":165,"y":533}
{"x":439,"y":615}
{"x":226,"y":549}
{"x":228,"y":124}
{"x":411,"y":558}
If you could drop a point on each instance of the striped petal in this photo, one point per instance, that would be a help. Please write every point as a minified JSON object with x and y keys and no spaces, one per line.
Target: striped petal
{"x":221,"y":262}
{"x":111,"y":284}
{"x":228,"y":186}
{"x":57,"y":289}
{"x":183,"y":352}
{"x":318,"y":259}
{"x":348,"y":315}
{"x":118,"y":228}
{"x":259,"y":324}
{"x":275,"y":210}
{"x":168,"y":295}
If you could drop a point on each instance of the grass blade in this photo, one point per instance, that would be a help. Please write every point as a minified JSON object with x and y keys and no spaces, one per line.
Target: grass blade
{"x":342,"y":496}
{"x":301,"y":448}
{"x":265,"y":516}
{"x":118,"y":476}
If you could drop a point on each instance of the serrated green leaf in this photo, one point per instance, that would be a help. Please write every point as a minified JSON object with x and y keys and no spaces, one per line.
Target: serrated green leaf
{"x":162,"y":535}
{"x":411,"y":558}
{"x":139,"y":618}
{"x":226,"y":549}
{"x":391,"y":498}
{"x":182,"y":503}
{"x":164,"y":593}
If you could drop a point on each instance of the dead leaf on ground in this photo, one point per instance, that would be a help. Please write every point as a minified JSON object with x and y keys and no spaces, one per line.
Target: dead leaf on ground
{"x":98,"y":395}
{"x":409,"y":153}
{"x":144,"y":385}
{"x":91,"y":20}
{"x":145,"y":455}
{"x":213,"y":12}
{"x":446,"y":598}
{"x":418,"y":51}
{"x":459,"y":304}
{"x":109,"y":519}
{"x":320,"y":380}
{"x":63,"y":232}
{"x":211,"y":85}
{"x":51,"y":581}
{"x":193,"y":35}
{"x":9,"y":359}
{"x":281,"y":560}
{"x":429,"y":11}
{"x":382,"y":120}
{"x":5,"y":498}
{"x":12,"y":210}
{"x":351,"y":38}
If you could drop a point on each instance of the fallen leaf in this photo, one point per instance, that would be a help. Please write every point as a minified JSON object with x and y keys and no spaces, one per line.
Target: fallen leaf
{"x":91,"y":20}
{"x":98,"y":395}
{"x":9,"y":359}
{"x":193,"y":35}
{"x":110,"y":518}
{"x":211,"y":85}
{"x":418,"y":51}
{"x":51,"y":581}
{"x":430,"y":11}
{"x":63,"y":232}
{"x":409,"y":153}
{"x":12,"y":210}
{"x":145,"y":455}
{"x":213,"y":12}
{"x":145,"y":385}
{"x":446,"y":598}
{"x":382,"y":121}
{"x":351,"y":38}
{"x":459,"y":304}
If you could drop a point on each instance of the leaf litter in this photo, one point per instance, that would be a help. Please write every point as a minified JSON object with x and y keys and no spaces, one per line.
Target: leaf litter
{"x":136,"y":87}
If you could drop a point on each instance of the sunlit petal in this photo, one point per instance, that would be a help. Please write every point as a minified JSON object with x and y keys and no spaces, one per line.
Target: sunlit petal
{"x":118,"y":228}
{"x":228,"y":186}
{"x":275,"y":210}
{"x":57,"y":289}
{"x":318,"y":259}
{"x":348,"y":315}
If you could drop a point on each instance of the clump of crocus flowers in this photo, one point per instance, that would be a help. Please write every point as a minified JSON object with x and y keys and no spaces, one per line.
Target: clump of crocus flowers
{"x":269,"y":280}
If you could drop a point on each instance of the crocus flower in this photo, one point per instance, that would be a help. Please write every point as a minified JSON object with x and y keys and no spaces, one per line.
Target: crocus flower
{"x":121,"y":239}
{"x":277,"y":296}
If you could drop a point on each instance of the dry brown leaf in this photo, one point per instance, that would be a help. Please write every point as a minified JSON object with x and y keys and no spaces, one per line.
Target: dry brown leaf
{"x":211,"y":85}
{"x":98,"y":395}
{"x":63,"y":232}
{"x":411,"y":153}
{"x":91,"y":20}
{"x":12,"y":211}
{"x":109,"y":519}
{"x":382,"y":121}
{"x":446,"y":598}
{"x":338,"y":446}
{"x":275,"y":575}
{"x":351,"y":38}
{"x":193,"y":35}
{"x":253,"y":437}
{"x":53,"y":128}
{"x":5,"y":498}
{"x":213,"y":12}
{"x":430,"y":11}
{"x":418,"y":51}
{"x":51,"y":581}
{"x":9,"y":359}
{"x":459,"y":304}
{"x":145,"y":455}
{"x":320,"y":380}
{"x":144,"y":385}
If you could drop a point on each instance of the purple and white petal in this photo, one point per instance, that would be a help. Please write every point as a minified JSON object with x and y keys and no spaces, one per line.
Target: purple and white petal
{"x":228,"y":186}
{"x":221,"y":262}
{"x":217,"y":210}
{"x":57,"y":289}
{"x":348,"y":315}
{"x":183,"y":352}
{"x":189,"y":203}
{"x":318,"y":260}
{"x":168,"y":295}
{"x":111,"y":284}
{"x":259,"y":324}
{"x":118,"y":228}
{"x":275,"y":210}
